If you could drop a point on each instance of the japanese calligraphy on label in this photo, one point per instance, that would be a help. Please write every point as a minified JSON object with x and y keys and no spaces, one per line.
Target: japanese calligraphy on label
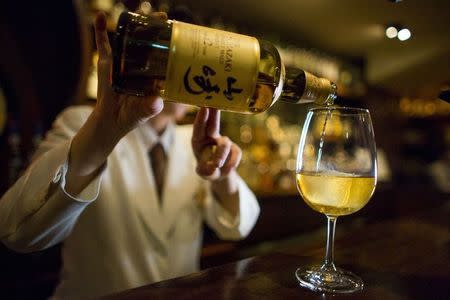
{"x":210,"y":67}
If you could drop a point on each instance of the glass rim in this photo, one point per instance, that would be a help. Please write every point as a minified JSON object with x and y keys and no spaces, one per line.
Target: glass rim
{"x":343,"y":109}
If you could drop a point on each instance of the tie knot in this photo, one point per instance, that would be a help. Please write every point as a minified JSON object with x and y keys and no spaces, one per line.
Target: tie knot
{"x":157,"y":151}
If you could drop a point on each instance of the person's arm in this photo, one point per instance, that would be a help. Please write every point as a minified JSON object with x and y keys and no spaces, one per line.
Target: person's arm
{"x":230,"y":226}
{"x":217,"y":158}
{"x":231,"y":209}
{"x":114,"y":116}
{"x":44,"y":204}
{"x":37,"y":211}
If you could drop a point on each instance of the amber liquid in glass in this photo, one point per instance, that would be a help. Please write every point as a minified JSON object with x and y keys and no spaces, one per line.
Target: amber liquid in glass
{"x":335,"y":194}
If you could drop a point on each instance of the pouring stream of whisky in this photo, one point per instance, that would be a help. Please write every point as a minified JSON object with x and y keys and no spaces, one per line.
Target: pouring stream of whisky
{"x":322,"y":135}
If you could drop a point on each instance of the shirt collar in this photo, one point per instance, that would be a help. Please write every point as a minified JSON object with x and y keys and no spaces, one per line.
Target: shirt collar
{"x":150,"y":137}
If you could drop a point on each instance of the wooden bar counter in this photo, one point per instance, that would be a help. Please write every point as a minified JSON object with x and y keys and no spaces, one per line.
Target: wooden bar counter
{"x":402,"y":258}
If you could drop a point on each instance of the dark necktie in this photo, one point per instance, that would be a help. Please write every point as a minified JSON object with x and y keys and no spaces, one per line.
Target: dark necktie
{"x":158,"y":161}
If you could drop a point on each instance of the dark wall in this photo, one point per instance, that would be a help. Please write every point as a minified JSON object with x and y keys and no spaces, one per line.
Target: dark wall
{"x":46,"y":41}
{"x":39,"y":74}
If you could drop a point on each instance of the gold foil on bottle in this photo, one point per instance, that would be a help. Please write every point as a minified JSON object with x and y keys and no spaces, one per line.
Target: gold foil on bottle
{"x":318,"y":90}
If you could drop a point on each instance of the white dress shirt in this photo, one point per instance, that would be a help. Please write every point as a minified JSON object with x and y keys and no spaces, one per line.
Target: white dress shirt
{"x":116,"y":236}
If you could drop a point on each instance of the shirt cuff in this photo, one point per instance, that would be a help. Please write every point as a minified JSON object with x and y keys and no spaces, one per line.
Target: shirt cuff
{"x":222,"y":215}
{"x":89,"y":193}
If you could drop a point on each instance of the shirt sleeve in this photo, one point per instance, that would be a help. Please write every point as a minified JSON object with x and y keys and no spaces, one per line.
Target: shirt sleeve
{"x":223,"y":223}
{"x":88,"y":194}
{"x":37,"y":212}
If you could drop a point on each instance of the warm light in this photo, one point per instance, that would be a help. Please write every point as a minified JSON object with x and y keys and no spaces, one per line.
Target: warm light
{"x":405,"y":105}
{"x":424,"y":107}
{"x":404,"y":34}
{"x":246,"y":134}
{"x":346,"y":77}
{"x":262,"y":168}
{"x":285,"y":149}
{"x":309,"y":150}
{"x":146,"y":7}
{"x":291,"y":164}
{"x":273,"y":122}
{"x":391,"y":32}
{"x":430,"y":108}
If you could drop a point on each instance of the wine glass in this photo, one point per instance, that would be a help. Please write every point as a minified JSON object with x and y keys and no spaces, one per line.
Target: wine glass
{"x":336,"y":175}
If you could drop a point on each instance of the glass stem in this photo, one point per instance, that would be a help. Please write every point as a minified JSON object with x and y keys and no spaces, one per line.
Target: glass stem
{"x":329,"y":255}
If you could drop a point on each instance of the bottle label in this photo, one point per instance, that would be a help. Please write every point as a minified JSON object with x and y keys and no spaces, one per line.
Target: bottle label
{"x":210,"y":67}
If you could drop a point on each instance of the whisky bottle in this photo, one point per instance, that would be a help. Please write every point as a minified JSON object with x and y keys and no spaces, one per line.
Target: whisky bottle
{"x":207,"y":67}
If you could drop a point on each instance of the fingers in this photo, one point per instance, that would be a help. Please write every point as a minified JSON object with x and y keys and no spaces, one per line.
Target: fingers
{"x":208,"y":172}
{"x":206,"y":126}
{"x":219,"y":162}
{"x":142,"y":108}
{"x":103,"y":48}
{"x":206,"y":166}
{"x":233,"y":160}
{"x":213,"y":123}
{"x":152,"y":105}
{"x":199,"y":130}
{"x":223,"y":148}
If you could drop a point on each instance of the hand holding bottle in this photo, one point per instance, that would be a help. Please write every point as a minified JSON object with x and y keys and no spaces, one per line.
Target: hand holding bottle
{"x":113,"y":117}
{"x":121,"y":112}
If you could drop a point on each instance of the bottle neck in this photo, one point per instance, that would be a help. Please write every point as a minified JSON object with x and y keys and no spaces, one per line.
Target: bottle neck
{"x":303,"y":87}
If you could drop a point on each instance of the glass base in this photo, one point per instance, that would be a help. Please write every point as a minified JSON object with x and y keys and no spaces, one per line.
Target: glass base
{"x":334,"y":280}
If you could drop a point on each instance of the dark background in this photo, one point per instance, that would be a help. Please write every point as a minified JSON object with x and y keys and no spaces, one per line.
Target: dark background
{"x":44,"y":57}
